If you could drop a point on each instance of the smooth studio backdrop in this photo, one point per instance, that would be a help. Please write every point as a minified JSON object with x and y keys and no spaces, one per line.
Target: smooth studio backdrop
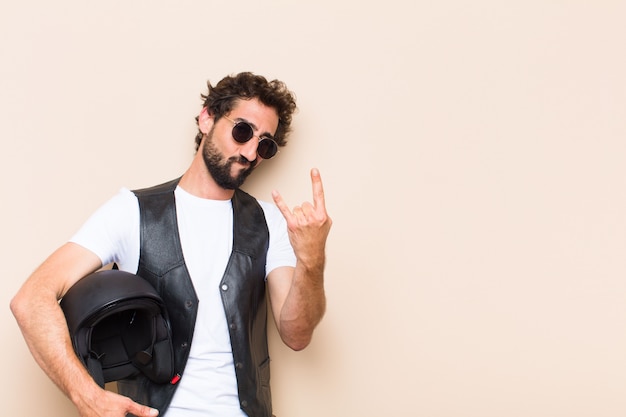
{"x":473,"y":155}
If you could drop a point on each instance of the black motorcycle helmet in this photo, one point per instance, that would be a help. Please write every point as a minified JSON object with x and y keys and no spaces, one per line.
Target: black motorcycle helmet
{"x":119,"y":327}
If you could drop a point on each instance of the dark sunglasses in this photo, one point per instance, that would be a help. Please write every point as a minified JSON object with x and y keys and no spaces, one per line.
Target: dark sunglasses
{"x":243,"y":132}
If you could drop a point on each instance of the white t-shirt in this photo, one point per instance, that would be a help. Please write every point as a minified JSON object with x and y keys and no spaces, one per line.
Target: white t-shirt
{"x":208,"y":386}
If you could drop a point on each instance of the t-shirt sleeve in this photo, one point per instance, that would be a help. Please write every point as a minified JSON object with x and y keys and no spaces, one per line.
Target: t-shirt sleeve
{"x":112,"y":231}
{"x":280,"y":252}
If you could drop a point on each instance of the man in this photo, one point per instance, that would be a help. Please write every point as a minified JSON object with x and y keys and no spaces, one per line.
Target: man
{"x":233,"y":246}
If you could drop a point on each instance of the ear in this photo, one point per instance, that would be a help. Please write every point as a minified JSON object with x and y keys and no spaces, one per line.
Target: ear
{"x":205,"y":121}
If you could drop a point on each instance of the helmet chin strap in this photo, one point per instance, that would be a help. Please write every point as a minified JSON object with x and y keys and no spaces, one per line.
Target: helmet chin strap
{"x":144,"y":357}
{"x":94,"y":364}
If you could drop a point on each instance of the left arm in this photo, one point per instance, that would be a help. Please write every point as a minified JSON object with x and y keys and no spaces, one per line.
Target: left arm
{"x":297,"y":294}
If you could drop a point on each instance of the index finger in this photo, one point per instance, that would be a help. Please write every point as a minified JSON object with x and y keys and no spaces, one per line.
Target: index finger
{"x":318,"y":189}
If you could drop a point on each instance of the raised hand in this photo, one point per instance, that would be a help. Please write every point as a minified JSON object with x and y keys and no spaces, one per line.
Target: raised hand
{"x":308,"y":224}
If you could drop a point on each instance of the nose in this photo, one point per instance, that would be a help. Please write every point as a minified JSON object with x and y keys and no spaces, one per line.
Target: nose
{"x":249,"y":149}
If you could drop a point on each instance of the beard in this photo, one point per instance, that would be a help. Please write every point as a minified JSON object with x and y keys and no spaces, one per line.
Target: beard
{"x":220,"y":168}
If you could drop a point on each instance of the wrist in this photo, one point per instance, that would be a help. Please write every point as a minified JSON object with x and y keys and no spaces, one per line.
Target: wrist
{"x":84,"y":394}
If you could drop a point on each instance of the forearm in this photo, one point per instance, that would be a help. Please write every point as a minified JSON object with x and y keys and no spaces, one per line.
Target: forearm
{"x":43,"y":325}
{"x":41,"y":320}
{"x":304,"y":306}
{"x":45,"y":331}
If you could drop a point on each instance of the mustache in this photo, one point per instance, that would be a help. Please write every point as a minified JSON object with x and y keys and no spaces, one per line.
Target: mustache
{"x":243,"y":160}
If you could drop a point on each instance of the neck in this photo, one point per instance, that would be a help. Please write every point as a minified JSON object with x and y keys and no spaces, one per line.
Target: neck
{"x":198,"y":181}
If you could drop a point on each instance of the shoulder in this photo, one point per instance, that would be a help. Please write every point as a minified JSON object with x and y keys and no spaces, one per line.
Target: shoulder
{"x":119,"y":214}
{"x":268,"y":208}
{"x":167,"y":187}
{"x":124,"y":201}
{"x":273,"y":216}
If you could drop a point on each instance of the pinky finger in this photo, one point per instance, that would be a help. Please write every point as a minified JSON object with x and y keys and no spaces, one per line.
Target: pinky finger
{"x":282,"y":206}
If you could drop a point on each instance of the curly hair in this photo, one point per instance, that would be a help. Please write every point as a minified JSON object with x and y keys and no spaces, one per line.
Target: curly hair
{"x":221,"y":99}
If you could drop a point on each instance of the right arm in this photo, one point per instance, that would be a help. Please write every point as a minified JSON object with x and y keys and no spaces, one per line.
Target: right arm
{"x":42,"y":322}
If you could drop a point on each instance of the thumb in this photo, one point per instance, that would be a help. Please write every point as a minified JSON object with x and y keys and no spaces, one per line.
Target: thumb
{"x":142,"y":410}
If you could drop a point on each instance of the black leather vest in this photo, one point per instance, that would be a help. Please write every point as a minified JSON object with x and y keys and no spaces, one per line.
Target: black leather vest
{"x":242,"y":290}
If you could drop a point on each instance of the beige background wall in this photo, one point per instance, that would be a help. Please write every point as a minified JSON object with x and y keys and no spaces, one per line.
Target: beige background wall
{"x":474,"y":161}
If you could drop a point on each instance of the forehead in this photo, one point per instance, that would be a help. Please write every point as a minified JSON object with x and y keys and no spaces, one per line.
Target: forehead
{"x":262,"y":117}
